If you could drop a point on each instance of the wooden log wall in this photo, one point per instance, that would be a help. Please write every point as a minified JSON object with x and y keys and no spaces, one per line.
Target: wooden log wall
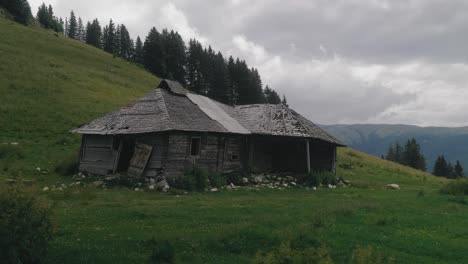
{"x":98,"y":154}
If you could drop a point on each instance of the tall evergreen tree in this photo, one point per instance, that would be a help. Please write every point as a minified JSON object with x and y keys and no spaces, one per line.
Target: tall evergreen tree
{"x":154,"y":54}
{"x":175,"y":55}
{"x":19,"y":9}
{"x":233,"y":85}
{"x":72,"y":26}
{"x":391,"y":153}
{"x":194,"y":77}
{"x":45,"y":17}
{"x":139,"y":53}
{"x":94,"y":34}
{"x":125,"y":46}
{"x":80,"y":32}
{"x":271,"y":97}
{"x":458,"y":170}
{"x":440,"y":167}
{"x":412,"y":156}
{"x":66,"y":29}
{"x":284,"y":101}
{"x":108,"y":37}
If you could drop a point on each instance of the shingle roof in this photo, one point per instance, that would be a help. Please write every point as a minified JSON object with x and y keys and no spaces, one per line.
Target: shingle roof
{"x":172,"y":107}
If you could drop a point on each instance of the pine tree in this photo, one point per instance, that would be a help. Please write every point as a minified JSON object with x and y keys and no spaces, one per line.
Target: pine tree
{"x":94,"y":34}
{"x":45,"y":17}
{"x":154,"y":54}
{"x":194,"y":77}
{"x":412,"y":156}
{"x":174,"y":47}
{"x":72,"y":26}
{"x":233,"y":86}
{"x":67,"y":27}
{"x":391,"y":153}
{"x":284,"y":101}
{"x":19,"y":9}
{"x":138,"y":55}
{"x":450,"y":173}
{"x":440,"y":167}
{"x":458,"y":170}
{"x":271,"y":97}
{"x":125,"y":46}
{"x":108,"y":38}
{"x":80,"y":32}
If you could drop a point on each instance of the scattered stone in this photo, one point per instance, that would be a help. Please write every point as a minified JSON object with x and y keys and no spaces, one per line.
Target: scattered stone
{"x":38,"y":169}
{"x":285,"y":185}
{"x":14,"y":143}
{"x":59,"y":189}
{"x":393,"y":186}
{"x":45,"y":189}
{"x":346,"y":182}
{"x":98,"y":183}
{"x":214,"y":190}
{"x":245,"y":180}
{"x":110,"y":178}
{"x":136,"y":189}
{"x":330,"y":186}
{"x":151,"y":187}
{"x":258,"y":179}
{"x":293,"y":183}
{"x":152,"y":181}
{"x":314,"y":188}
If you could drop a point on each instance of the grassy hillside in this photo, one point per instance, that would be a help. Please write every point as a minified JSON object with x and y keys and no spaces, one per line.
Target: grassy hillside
{"x":413,"y":225}
{"x":50,"y":84}
{"x":434,"y":141}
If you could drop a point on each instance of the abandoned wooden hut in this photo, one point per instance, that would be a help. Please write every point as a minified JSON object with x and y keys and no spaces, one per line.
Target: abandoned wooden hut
{"x":172,"y":129}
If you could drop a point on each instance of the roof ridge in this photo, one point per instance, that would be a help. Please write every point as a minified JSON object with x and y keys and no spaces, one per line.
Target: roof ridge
{"x":166,"y":114}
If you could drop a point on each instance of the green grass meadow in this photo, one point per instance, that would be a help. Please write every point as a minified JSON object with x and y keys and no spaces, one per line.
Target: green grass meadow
{"x":50,"y":84}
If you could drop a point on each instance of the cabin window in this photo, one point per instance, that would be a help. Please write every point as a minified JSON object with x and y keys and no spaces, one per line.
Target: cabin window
{"x":234,"y":157}
{"x":195,"y":146}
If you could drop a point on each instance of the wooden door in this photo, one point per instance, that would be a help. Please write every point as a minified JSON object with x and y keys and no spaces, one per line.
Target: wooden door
{"x":139,"y":159}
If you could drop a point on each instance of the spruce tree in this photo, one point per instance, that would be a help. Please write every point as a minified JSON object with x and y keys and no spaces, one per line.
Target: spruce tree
{"x":154,"y":54}
{"x":458,"y":170}
{"x":94,"y":34}
{"x":19,"y":9}
{"x":271,"y":97}
{"x":108,"y":37}
{"x":45,"y":17}
{"x":138,"y":55}
{"x":284,"y":101}
{"x":195,"y":81}
{"x":391,"y":153}
{"x":80,"y":32}
{"x":175,"y":55}
{"x":72,"y":26}
{"x":440,"y":167}
{"x":450,"y":173}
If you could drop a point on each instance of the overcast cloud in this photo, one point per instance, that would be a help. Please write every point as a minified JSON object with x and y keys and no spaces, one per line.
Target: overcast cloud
{"x":340,"y":61}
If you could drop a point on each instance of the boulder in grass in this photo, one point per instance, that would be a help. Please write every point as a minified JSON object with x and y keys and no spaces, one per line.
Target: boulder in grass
{"x":393,"y":186}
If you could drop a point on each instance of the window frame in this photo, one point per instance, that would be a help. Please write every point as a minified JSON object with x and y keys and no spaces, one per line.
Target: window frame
{"x":199,"y":139}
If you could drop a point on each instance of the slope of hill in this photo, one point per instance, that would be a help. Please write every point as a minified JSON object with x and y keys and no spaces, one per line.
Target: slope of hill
{"x":50,"y":84}
{"x":434,"y":141}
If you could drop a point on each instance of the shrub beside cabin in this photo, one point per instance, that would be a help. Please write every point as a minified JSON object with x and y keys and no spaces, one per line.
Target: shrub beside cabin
{"x":172,"y":129}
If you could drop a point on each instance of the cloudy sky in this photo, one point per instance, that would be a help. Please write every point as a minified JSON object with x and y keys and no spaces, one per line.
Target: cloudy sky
{"x":337,"y":61}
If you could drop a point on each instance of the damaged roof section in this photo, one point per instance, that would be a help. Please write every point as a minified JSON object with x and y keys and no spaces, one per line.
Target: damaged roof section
{"x":172,"y":107}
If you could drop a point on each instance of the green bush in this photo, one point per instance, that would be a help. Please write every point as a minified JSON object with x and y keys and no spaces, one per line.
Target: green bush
{"x":25,"y":228}
{"x":456,"y":187}
{"x":285,"y":253}
{"x":68,"y":166}
{"x":162,"y":252}
{"x":8,"y":151}
{"x":315,"y":178}
{"x":194,"y":179}
{"x":217,"y":180}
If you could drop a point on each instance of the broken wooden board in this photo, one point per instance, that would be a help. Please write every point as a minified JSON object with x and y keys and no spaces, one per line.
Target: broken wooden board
{"x":139,"y":159}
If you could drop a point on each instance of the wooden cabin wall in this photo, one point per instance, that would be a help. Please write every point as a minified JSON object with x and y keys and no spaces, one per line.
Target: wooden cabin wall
{"x":322,"y":156}
{"x":232,"y":145}
{"x":215,"y":153}
{"x":97,"y":155}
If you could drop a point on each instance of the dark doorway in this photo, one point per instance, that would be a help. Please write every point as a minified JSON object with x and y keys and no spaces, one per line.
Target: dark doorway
{"x":126,"y":154}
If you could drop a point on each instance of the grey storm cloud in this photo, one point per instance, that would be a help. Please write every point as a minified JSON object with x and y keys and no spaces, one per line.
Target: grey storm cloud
{"x":337,"y":61}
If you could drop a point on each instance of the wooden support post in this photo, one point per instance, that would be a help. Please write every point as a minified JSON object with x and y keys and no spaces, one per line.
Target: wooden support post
{"x":251,"y":150}
{"x":334,"y":160}
{"x":308,"y":155}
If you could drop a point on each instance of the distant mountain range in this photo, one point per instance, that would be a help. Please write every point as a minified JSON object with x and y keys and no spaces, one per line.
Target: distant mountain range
{"x":375,"y":139}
